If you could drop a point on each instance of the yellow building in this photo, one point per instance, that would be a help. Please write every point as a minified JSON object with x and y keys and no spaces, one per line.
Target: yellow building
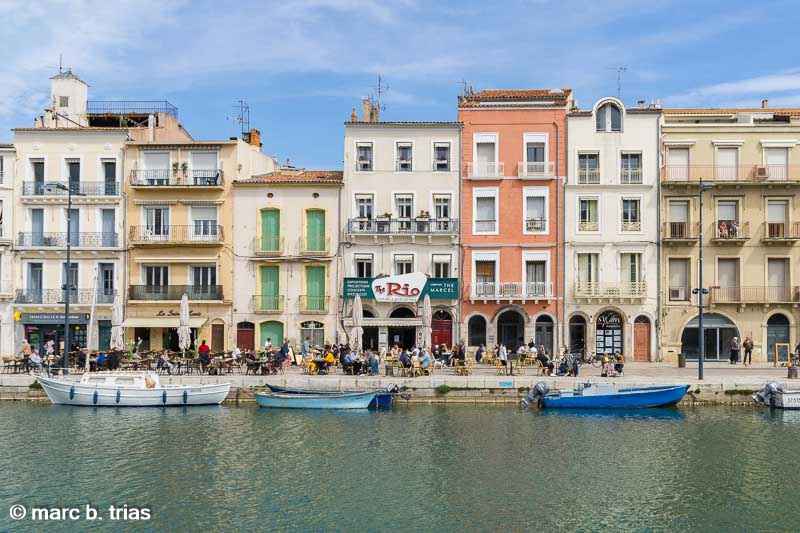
{"x":750,"y":160}
{"x":180,"y":235}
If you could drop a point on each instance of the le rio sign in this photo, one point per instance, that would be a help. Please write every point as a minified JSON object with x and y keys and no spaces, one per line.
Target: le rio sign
{"x":403,"y":288}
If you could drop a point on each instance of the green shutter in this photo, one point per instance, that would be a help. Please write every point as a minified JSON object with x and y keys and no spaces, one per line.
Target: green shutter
{"x":269,"y":299}
{"x":315,"y":288}
{"x":315,"y":230}
{"x":273,"y":330}
{"x":270,"y":230}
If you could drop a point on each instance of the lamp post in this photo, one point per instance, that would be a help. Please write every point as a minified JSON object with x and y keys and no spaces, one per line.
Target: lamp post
{"x":700,"y":290}
{"x":52,"y":187}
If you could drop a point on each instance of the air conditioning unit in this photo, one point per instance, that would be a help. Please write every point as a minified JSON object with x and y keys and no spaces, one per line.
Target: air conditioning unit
{"x":678,"y":294}
{"x":761,"y":173}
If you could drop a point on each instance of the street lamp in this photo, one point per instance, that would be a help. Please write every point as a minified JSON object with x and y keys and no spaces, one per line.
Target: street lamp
{"x":700,"y":290}
{"x":53,"y":187}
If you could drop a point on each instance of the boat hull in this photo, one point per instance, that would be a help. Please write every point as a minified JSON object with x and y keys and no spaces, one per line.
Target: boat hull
{"x":73,"y":393}
{"x":359,"y":400}
{"x":633,"y":398}
{"x":789,"y":400}
{"x":383,"y":399}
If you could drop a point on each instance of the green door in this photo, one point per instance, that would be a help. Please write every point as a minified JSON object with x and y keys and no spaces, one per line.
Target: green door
{"x":103,"y":334}
{"x":270,"y":230}
{"x":273,"y":330}
{"x":315,"y":230}
{"x":269,"y":297}
{"x":315,"y":288}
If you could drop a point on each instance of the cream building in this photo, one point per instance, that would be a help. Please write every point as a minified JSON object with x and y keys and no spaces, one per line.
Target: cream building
{"x":750,"y":161}
{"x":610,"y":205}
{"x":285,"y":247}
{"x":8,"y":341}
{"x":400,"y":209}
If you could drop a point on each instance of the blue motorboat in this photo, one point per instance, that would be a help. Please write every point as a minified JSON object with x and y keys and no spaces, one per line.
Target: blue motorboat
{"x":344,"y":400}
{"x":383,"y":399}
{"x":606,"y":396}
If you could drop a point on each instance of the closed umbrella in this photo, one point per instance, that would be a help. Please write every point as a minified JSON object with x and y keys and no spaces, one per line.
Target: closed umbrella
{"x":91,"y":329}
{"x":427,"y":318}
{"x":184,"y":333}
{"x":358,"y":317}
{"x":117,"y":332}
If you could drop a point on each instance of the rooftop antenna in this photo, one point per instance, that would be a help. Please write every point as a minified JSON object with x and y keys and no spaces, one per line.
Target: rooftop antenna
{"x":380,"y":90}
{"x":463,"y":84}
{"x":620,"y":69}
{"x":60,"y":66}
{"x":243,"y":116}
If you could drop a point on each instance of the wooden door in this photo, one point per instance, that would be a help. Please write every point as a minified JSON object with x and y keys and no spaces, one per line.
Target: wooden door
{"x":641,"y":341}
{"x":246,"y":337}
{"x":217,"y":337}
{"x":442,"y":332}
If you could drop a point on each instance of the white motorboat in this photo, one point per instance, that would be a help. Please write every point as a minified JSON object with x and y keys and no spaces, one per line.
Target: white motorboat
{"x":774,"y":395}
{"x":129,"y":389}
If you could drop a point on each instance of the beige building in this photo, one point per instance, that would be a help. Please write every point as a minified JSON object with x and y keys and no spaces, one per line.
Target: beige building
{"x":285,"y":248}
{"x":8,"y":342}
{"x":750,"y":161}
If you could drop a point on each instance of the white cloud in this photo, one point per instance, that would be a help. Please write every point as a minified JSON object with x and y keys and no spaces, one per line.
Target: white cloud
{"x":743,"y":90}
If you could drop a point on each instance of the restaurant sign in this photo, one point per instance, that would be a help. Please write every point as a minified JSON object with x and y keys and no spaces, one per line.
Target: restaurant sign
{"x":403,"y":288}
{"x":54,"y":318}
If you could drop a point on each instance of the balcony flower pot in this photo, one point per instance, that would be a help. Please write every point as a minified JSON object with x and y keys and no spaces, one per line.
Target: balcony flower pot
{"x":383,"y":222}
{"x":423,"y":222}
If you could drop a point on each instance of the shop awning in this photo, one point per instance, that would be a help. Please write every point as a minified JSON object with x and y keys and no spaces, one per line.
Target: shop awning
{"x":161,"y":322}
{"x":388,"y":322}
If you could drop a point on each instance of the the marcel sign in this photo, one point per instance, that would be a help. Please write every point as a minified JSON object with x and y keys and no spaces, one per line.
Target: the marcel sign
{"x":402,"y":288}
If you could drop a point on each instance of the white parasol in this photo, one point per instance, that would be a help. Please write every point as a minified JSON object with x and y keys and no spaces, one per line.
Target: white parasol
{"x":427,"y":318}
{"x":184,"y":332}
{"x":91,"y":328}
{"x":358,"y":317}
{"x":117,"y":331}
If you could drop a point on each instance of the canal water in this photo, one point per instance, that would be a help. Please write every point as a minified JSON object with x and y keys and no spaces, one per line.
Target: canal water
{"x":413,"y":468}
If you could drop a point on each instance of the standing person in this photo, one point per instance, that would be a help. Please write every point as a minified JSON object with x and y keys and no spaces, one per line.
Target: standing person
{"x":479,"y":353}
{"x":268,"y":344}
{"x":25,"y":349}
{"x":373,"y":363}
{"x":748,"y":351}
{"x":734,"y":350}
{"x":306,"y":345}
{"x":204,"y":349}
{"x":502,"y":354}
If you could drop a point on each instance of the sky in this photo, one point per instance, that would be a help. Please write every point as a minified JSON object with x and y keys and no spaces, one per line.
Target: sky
{"x":302,"y":65}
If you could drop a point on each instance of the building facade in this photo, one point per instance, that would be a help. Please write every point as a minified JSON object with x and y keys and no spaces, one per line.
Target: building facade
{"x":749,"y":162}
{"x":285,"y":257}
{"x":400,"y":208}
{"x":514,"y":161}
{"x":8,"y":336}
{"x":180,"y":234}
{"x":611,"y":224}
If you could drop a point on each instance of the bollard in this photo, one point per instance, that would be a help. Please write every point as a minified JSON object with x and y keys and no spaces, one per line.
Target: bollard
{"x":681,"y":360}
{"x":792,"y":372}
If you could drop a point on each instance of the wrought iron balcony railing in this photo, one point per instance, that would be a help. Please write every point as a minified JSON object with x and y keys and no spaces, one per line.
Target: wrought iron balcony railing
{"x":734,"y":173}
{"x":130,"y":107}
{"x":83,"y":188}
{"x":535,"y":224}
{"x":202,"y":232}
{"x":630,"y":176}
{"x":174,"y":292}
{"x":59,"y":240}
{"x":164,"y":177}
{"x":588,"y":176}
{"x":59,"y":296}
{"x":511,"y":290}
{"x":313,"y":304}
{"x":611,"y":291}
{"x":268,"y":303}
{"x":680,"y":231}
{"x":405,"y":226}
{"x":268,"y":246}
{"x":731,"y":230}
{"x":631,"y":226}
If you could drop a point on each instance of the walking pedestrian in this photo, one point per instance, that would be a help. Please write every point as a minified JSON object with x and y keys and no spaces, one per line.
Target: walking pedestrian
{"x":734,"y":350}
{"x":748,"y":351}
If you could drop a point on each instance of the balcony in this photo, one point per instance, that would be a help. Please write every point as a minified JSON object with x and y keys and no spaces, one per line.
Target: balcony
{"x":536,"y":170}
{"x":174,"y":292}
{"x":485,"y":170}
{"x":408,"y":226}
{"x":83,"y":188}
{"x":680,"y":233}
{"x":403,"y":165}
{"x":59,"y":297}
{"x":315,"y":245}
{"x":588,"y":226}
{"x":313,"y":304}
{"x":485,"y":226}
{"x":588,"y":176}
{"x":130,"y":107}
{"x":199,"y":235}
{"x":497,"y":291}
{"x":268,"y":246}
{"x":535,"y":224}
{"x":593,"y":290}
{"x":755,"y":295}
{"x":267,"y":303}
{"x":631,"y":227}
{"x":59,"y":240}
{"x":689,"y":174}
{"x":630,"y":176}
{"x":780,"y":232}
{"x":164,"y":177}
{"x":730,"y":232}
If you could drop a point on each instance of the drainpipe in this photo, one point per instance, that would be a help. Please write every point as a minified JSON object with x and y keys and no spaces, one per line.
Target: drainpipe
{"x":458,"y":236}
{"x":659,"y":269}
{"x":560,"y":259}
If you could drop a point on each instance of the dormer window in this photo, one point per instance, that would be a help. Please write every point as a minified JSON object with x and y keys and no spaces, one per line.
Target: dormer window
{"x":609,"y":118}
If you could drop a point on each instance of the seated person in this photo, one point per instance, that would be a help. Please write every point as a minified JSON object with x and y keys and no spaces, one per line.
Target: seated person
{"x":164,"y":362}
{"x":606,"y":368}
{"x":102,"y":362}
{"x":425,"y":361}
{"x":113,"y":360}
{"x":546,"y":363}
{"x":347,"y":362}
{"x":36,"y":361}
{"x":415,"y":361}
{"x":619,"y":363}
{"x":563,"y":368}
{"x":373,"y":360}
{"x":405,"y":360}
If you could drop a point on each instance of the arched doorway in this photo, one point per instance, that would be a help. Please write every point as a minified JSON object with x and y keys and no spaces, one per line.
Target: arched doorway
{"x":273,"y":330}
{"x":719,"y":331}
{"x":543,"y":334}
{"x":609,"y":332}
{"x":314,"y":331}
{"x":641,"y":338}
{"x":442,"y":326}
{"x":246,"y":335}
{"x":370,"y":337}
{"x":403,"y":336}
{"x":577,"y":335}
{"x":511,"y":329}
{"x":777,"y":333}
{"x":476,"y":331}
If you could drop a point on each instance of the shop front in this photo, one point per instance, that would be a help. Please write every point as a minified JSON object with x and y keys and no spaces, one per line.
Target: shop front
{"x":159,"y":333}
{"x":40,"y":328}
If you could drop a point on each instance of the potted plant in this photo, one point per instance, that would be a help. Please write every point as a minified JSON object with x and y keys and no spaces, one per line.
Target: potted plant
{"x":175,"y":167}
{"x":383,"y":222}
{"x":423,"y":221}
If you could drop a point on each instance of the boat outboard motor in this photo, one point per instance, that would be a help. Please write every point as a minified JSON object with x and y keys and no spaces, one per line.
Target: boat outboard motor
{"x":539,"y":390}
{"x":392,"y":388}
{"x":766,"y":396}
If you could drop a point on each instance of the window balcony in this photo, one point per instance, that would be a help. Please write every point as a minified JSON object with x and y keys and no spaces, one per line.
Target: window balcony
{"x":268,"y":303}
{"x":403,"y":165}
{"x":780,"y":232}
{"x":313,"y":304}
{"x":535,"y":224}
{"x":730,"y":232}
{"x":588,"y":226}
{"x":485,"y":170}
{"x":680,"y":232}
{"x":588,"y":176}
{"x":59,"y":296}
{"x":630,"y":176}
{"x":314,"y":245}
{"x":199,"y":234}
{"x":497,"y":291}
{"x":631,"y":226}
{"x":542,"y":170}
{"x":593,"y":290}
{"x":754,"y":295}
{"x":688,"y":174}
{"x":485,"y":226}
{"x":83,"y":188}
{"x":59,"y":240}
{"x":394,"y":226}
{"x":174,"y":292}
{"x":165,"y":177}
{"x":268,"y":246}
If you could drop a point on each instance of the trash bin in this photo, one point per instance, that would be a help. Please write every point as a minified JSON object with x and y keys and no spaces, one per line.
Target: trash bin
{"x":792,"y":372}
{"x":681,"y":360}
{"x":390,"y":370}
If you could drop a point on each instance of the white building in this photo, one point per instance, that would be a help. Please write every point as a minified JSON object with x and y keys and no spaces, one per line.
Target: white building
{"x":285,"y":272}
{"x":7,"y":166}
{"x":400,"y":209}
{"x":612,"y":229}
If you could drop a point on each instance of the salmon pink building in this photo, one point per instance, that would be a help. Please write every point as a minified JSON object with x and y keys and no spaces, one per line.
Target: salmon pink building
{"x":514,"y":147}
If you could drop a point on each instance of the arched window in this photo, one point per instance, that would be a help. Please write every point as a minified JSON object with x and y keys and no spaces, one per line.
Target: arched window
{"x":402,"y":312}
{"x":609,"y":118}
{"x":476,"y":328}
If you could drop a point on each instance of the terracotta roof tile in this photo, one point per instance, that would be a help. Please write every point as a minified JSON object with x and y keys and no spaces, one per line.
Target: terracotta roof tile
{"x":511,"y":95}
{"x":780,"y":111}
{"x":298,"y":176}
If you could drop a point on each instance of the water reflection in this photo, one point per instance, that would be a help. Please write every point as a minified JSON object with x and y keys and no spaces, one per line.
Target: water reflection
{"x":616,"y":414}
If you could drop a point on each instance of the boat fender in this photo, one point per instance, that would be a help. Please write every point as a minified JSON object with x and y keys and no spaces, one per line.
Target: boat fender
{"x":164,"y":397}
{"x":94,"y":398}
{"x":119,"y":395}
{"x":72,"y":392}
{"x":185,"y":396}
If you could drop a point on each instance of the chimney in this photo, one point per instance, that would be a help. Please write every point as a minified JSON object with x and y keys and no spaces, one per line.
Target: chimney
{"x":151,"y":128}
{"x":764,"y":103}
{"x":353,"y":116}
{"x":369,"y":113}
{"x":253,"y":137}
{"x":641,"y":104}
